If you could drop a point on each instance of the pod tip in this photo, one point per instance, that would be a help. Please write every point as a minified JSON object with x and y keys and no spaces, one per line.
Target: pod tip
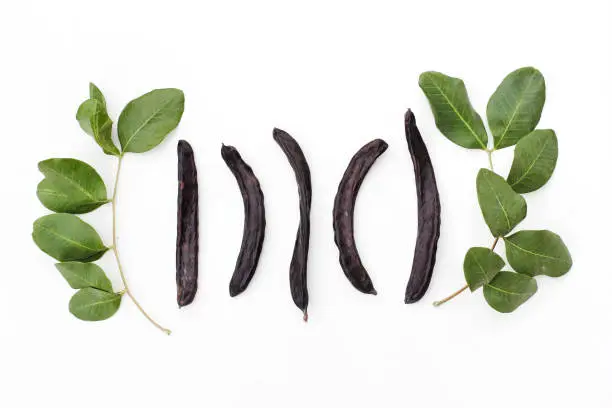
{"x":305,"y":316}
{"x":279,"y":134}
{"x":409,"y":116}
{"x":233,"y":291}
{"x":373,"y":292}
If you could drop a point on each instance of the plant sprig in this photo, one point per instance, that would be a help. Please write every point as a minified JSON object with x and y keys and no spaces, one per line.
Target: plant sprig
{"x":74,"y":187}
{"x":513,"y":112}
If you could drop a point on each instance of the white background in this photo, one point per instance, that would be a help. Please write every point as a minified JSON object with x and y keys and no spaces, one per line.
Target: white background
{"x":335,"y":75}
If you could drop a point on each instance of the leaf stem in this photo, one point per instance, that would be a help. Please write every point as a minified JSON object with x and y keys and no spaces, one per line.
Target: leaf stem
{"x":116,"y":252}
{"x":494,"y":243}
{"x":490,"y":154}
{"x":446,"y":299}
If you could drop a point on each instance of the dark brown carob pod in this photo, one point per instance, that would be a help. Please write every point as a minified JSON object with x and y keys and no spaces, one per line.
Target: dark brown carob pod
{"x":428,"y":213}
{"x":254,"y":220}
{"x":299,"y":261}
{"x":187,"y":226}
{"x":344,"y":208}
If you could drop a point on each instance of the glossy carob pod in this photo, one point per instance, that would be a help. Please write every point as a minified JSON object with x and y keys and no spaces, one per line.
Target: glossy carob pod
{"x":254,"y":220}
{"x":187,"y":226}
{"x":299,"y":261}
{"x":428,"y":201}
{"x":344,"y":208}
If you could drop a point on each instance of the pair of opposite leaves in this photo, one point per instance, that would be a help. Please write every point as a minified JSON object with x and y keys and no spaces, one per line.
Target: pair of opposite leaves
{"x":513,"y":112}
{"x":71,"y":187}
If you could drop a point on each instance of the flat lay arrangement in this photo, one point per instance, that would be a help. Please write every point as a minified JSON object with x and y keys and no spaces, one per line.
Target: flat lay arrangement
{"x":71,"y":187}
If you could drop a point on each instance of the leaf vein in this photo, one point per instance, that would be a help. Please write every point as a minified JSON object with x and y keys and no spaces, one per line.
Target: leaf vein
{"x":458,"y":114}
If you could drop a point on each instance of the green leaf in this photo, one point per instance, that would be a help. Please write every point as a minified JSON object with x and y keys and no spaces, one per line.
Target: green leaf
{"x":501,"y":206}
{"x":70,"y":186}
{"x":480,"y":266}
{"x":452,"y":110}
{"x":93,"y":304}
{"x":146,"y":121}
{"x":66,"y":237}
{"x":95,"y":93}
{"x":515,"y":107}
{"x":535,"y":158}
{"x":508,"y":290}
{"x":538,"y":253}
{"x":84,"y":275}
{"x":86,"y":111}
{"x":94,"y":120}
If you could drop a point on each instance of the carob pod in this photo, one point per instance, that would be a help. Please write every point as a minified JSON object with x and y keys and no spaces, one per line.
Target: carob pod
{"x":254,"y":220}
{"x":428,"y":213}
{"x":299,"y":261}
{"x":187,"y":226}
{"x":344,"y":207}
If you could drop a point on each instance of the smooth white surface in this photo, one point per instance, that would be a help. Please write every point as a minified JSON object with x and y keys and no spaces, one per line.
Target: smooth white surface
{"x":335,"y":75}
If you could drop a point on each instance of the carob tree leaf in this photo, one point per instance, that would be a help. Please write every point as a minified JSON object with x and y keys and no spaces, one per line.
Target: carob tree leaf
{"x":66,"y":237}
{"x":455,"y":117}
{"x":515,"y":107}
{"x":80,"y":275}
{"x":535,"y":158}
{"x":93,"y":304}
{"x":538,"y":253}
{"x":94,"y":120}
{"x":502,"y":208}
{"x":480,"y":266}
{"x":96,"y":93}
{"x":70,"y":186}
{"x":508,"y":290}
{"x":146,"y":121}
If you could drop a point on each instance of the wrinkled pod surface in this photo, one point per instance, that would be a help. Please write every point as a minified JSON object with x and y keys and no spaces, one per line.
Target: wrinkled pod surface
{"x":187,"y":226}
{"x":344,"y":208}
{"x":299,"y":261}
{"x":428,"y":201}
{"x":254,"y":220}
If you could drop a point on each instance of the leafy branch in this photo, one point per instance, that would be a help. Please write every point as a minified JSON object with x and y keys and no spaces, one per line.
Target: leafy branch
{"x":73,"y":187}
{"x":513,"y":113}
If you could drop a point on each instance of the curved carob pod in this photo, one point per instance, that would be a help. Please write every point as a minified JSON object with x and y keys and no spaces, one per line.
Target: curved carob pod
{"x":344,"y":207}
{"x":254,"y":220}
{"x":187,"y":226}
{"x":428,"y":214}
{"x":299,"y":261}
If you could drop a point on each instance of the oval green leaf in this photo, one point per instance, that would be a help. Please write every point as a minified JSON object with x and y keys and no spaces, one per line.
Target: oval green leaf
{"x":146,"y":121}
{"x":66,"y":237}
{"x":480,"y":266}
{"x":508,"y":290}
{"x":538,"y":253}
{"x":70,"y":186}
{"x":455,"y":117}
{"x":502,"y":207}
{"x":94,"y":120}
{"x":93,"y":304}
{"x":515,"y":107}
{"x":84,"y":275}
{"x":96,"y":93}
{"x":535,"y":158}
